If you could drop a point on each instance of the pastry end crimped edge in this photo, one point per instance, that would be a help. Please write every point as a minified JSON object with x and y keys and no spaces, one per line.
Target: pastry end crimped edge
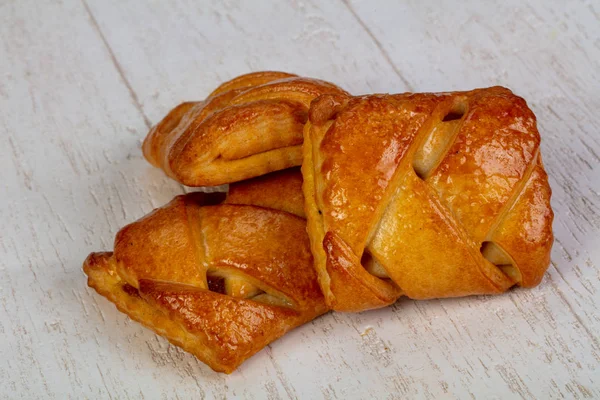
{"x":220,"y":329}
{"x":103,"y":277}
{"x":249,"y":126}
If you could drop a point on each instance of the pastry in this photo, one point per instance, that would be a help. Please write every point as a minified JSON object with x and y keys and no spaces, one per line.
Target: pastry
{"x":425,"y":195}
{"x":219,"y":279}
{"x":247,"y":127}
{"x":281,"y":190}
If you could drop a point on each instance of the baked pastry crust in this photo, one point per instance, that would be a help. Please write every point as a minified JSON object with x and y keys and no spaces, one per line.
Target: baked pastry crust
{"x":220,"y":280}
{"x":425,"y":195}
{"x":281,"y":190}
{"x":247,"y":127}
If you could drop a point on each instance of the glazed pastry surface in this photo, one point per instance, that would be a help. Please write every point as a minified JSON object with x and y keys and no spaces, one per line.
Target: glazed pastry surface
{"x":425,"y":195}
{"x":247,"y":127}
{"x":219,"y":279}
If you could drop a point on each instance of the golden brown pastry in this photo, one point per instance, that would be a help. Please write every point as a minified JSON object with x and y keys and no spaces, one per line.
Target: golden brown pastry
{"x":425,"y":195}
{"x":220,"y":280}
{"x":281,"y":190}
{"x":247,"y":127}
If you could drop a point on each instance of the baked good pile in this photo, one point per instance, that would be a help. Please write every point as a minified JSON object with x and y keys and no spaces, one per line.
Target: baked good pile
{"x":424,"y":195}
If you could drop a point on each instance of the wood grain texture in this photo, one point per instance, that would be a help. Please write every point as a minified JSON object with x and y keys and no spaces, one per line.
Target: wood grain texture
{"x":81,"y":83}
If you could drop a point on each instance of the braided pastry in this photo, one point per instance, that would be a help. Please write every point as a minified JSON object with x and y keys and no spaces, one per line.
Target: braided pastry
{"x":220,"y":280}
{"x":247,"y":127}
{"x":425,"y":195}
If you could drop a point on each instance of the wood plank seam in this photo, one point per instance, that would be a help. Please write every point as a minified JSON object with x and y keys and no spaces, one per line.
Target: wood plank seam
{"x":117,"y":65}
{"x":115,"y":62}
{"x":379,"y":46}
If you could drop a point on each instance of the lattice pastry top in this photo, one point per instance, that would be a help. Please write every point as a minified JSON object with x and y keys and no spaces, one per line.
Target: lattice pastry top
{"x":425,"y":195}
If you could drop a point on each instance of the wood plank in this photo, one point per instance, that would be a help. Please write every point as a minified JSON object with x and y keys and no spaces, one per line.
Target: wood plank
{"x":180,"y":50}
{"x":82,"y":82}
{"x":72,"y":175}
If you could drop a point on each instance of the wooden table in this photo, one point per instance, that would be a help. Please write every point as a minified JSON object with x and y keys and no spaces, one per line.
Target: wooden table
{"x":81,"y":83}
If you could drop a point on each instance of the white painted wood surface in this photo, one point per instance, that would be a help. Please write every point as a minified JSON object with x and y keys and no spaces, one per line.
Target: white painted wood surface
{"x":80,"y":83}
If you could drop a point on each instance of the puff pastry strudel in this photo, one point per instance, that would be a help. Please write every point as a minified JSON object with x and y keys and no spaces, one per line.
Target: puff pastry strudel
{"x":219,"y":279}
{"x":247,"y":127}
{"x":425,"y":195}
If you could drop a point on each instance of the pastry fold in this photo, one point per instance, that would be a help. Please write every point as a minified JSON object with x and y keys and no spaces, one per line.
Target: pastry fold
{"x":425,"y":195}
{"x":219,"y":279}
{"x":247,"y":127}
